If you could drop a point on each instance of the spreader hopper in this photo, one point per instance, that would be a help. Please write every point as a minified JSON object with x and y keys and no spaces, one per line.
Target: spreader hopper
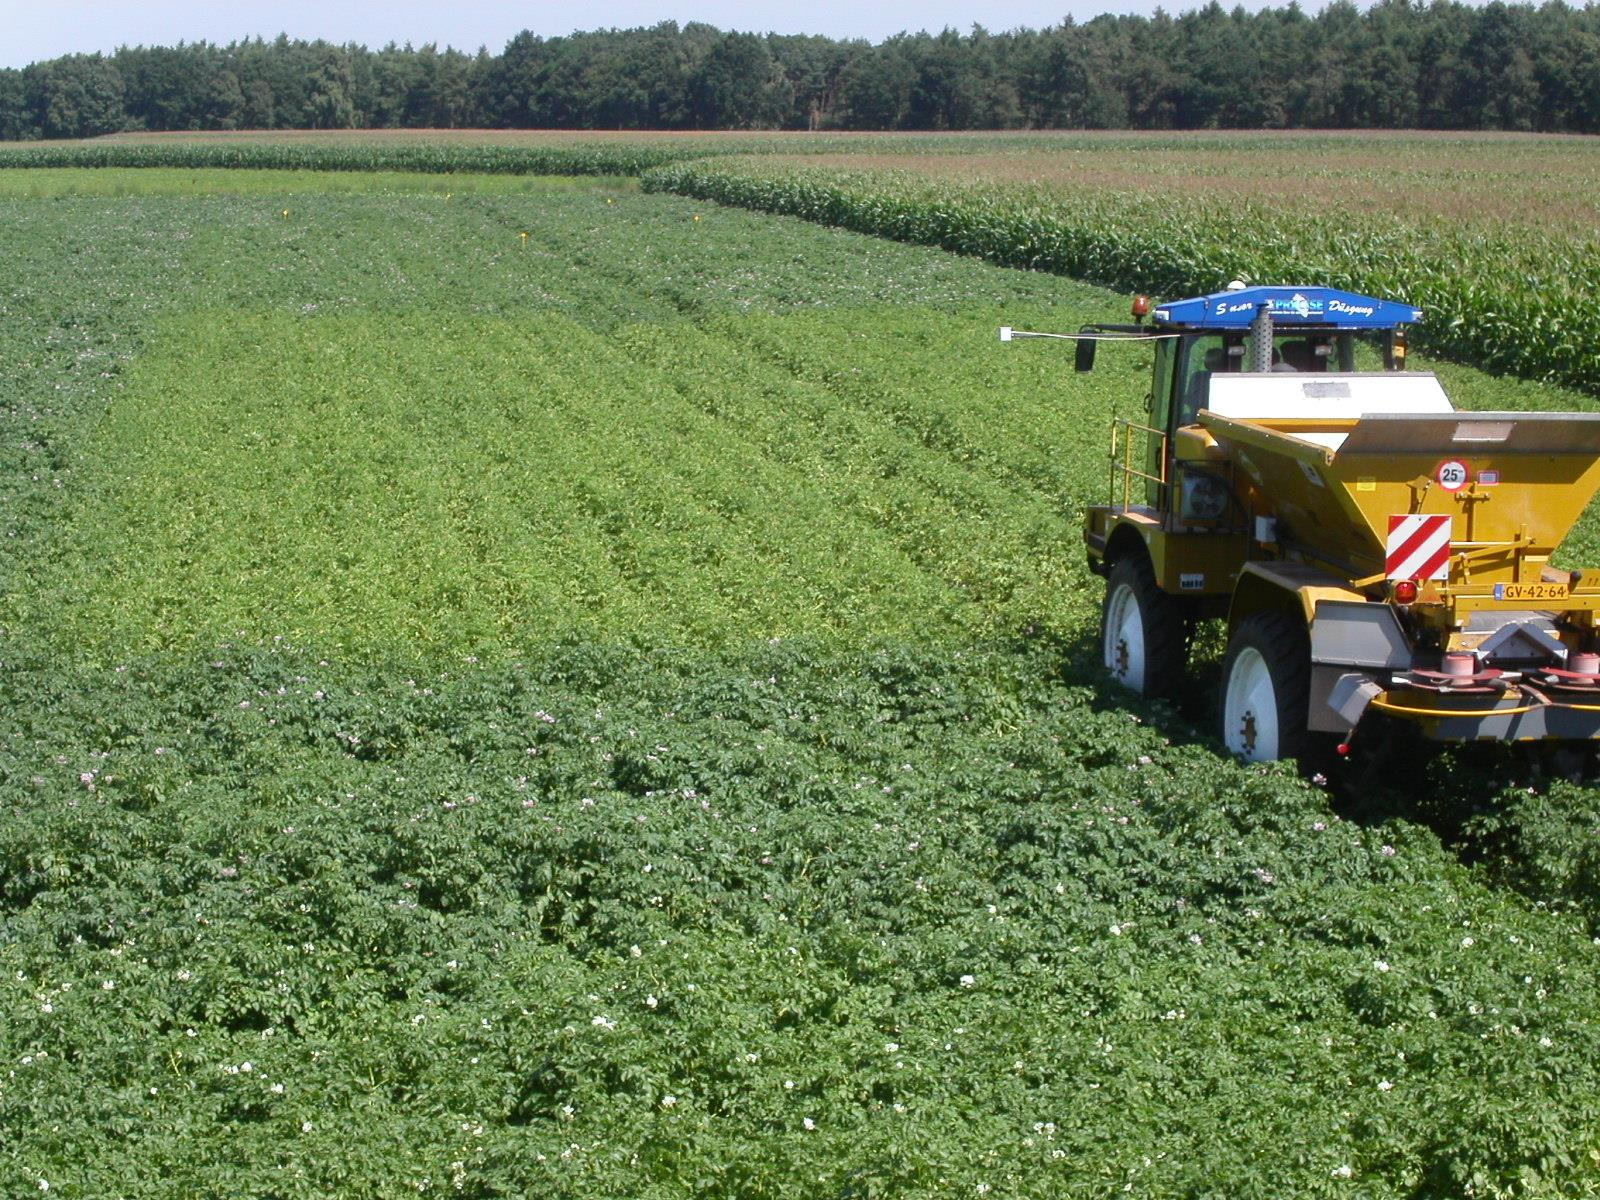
{"x":1352,"y":490}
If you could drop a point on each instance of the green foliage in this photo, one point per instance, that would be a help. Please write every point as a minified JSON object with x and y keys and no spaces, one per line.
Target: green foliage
{"x":586,"y":158}
{"x":331,"y":458}
{"x":469,"y":152}
{"x":611,"y":922}
{"x":44,"y":182}
{"x":1436,"y":66}
{"x":1545,"y":842}
{"x":468,"y":485}
{"x":1512,"y":300}
{"x":648,"y":897}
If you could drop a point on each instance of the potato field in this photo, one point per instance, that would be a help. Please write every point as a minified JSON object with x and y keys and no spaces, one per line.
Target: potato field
{"x":517,"y":685}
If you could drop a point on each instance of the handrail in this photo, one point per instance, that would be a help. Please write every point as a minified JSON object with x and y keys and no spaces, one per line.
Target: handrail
{"x":1122,"y":431}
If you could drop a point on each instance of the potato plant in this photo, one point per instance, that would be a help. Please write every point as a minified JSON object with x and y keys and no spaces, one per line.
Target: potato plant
{"x":613,"y":713}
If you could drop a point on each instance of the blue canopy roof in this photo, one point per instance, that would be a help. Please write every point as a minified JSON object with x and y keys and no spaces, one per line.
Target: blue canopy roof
{"x":1289,"y":306}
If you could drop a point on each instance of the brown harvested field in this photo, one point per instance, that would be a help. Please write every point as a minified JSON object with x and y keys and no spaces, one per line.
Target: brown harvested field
{"x":1542,"y":183}
{"x":490,"y":137}
{"x":763,"y":140}
{"x":1551,"y":184}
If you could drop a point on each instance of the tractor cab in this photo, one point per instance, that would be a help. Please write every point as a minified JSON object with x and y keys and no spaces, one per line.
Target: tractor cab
{"x":1248,"y":330}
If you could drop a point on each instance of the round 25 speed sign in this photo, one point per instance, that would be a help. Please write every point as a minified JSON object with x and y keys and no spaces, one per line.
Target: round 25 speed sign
{"x":1451,"y":474}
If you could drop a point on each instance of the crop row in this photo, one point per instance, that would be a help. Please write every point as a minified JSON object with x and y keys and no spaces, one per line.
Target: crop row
{"x":1515,"y":301}
{"x":609,"y":158}
{"x":477,"y":152}
{"x":485,"y":484}
{"x":439,"y":434}
{"x":1218,"y":158}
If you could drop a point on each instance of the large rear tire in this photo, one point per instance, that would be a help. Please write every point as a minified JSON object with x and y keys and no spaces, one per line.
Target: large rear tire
{"x":1144,"y":633}
{"x":1266,"y":688}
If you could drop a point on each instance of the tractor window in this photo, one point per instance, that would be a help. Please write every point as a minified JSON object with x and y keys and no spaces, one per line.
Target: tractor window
{"x":1303,"y":354}
{"x":1161,"y":384}
{"x":1201,"y":356}
{"x":1346,"y":350}
{"x":1160,"y":411}
{"x":1365,"y":351}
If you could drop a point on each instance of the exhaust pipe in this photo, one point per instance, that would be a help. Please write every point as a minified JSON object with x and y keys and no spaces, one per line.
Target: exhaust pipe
{"x":1261,"y":340}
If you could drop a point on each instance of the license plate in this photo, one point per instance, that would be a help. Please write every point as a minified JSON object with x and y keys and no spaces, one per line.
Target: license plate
{"x":1530,"y":591}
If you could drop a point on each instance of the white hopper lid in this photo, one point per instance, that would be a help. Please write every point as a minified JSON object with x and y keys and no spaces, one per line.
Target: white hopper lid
{"x":1289,"y":395}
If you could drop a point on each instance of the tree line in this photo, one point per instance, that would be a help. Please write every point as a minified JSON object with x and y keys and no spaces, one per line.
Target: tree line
{"x":1399,"y":64}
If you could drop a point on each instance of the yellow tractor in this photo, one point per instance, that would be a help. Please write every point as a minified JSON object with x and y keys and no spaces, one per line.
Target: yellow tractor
{"x":1371,"y":549}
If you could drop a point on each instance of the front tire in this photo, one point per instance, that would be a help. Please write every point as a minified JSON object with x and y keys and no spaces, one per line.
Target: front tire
{"x":1266,"y":688}
{"x":1143,"y":631}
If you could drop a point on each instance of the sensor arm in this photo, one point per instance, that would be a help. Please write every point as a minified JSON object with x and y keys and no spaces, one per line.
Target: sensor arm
{"x":1100,"y":333}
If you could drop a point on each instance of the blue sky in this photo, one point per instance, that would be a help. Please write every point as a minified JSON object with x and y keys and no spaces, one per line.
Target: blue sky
{"x":40,"y":29}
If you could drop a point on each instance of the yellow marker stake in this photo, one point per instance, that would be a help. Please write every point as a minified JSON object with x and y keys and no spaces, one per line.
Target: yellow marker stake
{"x":286,"y":212}
{"x":524,"y":238}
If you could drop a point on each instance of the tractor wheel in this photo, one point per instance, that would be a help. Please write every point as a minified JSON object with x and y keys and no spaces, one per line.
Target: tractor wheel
{"x":1144,"y":633}
{"x":1266,"y":688}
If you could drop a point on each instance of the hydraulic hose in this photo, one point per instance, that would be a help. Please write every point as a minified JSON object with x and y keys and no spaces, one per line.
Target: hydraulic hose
{"x":1542,"y":701}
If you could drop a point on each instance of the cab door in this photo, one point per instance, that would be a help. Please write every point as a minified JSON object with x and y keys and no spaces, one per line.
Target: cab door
{"x":1183,"y":371}
{"x":1158,"y":437}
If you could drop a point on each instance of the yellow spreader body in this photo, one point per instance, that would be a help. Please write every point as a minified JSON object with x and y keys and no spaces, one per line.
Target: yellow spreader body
{"x":1371,"y":549}
{"x":1333,"y":484}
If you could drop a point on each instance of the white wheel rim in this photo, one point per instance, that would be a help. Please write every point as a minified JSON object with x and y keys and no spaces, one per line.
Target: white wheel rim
{"x":1250,"y":708}
{"x":1124,"y":639}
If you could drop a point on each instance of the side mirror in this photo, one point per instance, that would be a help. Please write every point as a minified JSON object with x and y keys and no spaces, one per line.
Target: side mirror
{"x":1084,"y":361}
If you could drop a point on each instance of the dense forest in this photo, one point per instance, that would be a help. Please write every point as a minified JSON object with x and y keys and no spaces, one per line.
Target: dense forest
{"x":1400,"y":64}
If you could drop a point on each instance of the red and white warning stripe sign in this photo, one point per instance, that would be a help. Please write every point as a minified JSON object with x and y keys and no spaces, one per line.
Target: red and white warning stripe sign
{"x":1419,"y":547}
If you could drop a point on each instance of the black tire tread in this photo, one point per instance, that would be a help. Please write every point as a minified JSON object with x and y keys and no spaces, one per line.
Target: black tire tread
{"x":1166,"y":625}
{"x":1285,"y":646}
